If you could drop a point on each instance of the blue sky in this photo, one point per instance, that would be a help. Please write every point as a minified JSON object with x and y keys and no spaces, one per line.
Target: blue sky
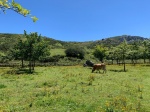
{"x":81,"y":20}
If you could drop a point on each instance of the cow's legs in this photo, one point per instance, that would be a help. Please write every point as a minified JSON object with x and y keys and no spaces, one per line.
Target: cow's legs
{"x":93,"y":70}
{"x":104,"y":71}
{"x":99,"y":71}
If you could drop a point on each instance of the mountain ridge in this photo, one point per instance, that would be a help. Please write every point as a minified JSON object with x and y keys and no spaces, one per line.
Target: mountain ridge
{"x":113,"y":41}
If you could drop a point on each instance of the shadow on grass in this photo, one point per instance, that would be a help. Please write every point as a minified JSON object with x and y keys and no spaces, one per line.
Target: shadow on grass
{"x":20,"y":71}
{"x":117,"y":70}
{"x":146,"y":65}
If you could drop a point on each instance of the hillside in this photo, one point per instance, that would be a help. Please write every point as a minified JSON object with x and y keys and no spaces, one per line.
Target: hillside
{"x":114,"y":41}
{"x":7,"y":41}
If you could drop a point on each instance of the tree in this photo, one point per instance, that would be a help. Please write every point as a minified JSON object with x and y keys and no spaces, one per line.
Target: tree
{"x":3,"y":58}
{"x":123,"y":47}
{"x":117,"y":55}
{"x":148,"y":50}
{"x":134,"y":52}
{"x":113,"y":54}
{"x":31,"y":49}
{"x":4,"y":5}
{"x":100,"y":52}
{"x":35,"y":48}
{"x":145,"y":50}
{"x":19,"y":51}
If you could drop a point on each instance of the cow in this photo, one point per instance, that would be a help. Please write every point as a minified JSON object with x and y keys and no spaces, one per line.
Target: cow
{"x":98,"y":67}
{"x":88,"y":63}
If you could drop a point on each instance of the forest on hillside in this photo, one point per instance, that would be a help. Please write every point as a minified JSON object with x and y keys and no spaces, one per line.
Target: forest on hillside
{"x":111,"y":49}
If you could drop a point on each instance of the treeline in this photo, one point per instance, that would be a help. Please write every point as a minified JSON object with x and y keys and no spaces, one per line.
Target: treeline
{"x":36,"y":48}
{"x":33,"y":48}
{"x":131,"y":51}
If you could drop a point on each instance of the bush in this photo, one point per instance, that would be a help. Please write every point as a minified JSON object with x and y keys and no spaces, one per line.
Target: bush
{"x":55,"y":58}
{"x":75,"y":52}
{"x":4,"y":58}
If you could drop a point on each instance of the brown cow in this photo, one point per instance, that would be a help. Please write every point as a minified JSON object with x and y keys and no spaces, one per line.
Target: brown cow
{"x":98,"y":67}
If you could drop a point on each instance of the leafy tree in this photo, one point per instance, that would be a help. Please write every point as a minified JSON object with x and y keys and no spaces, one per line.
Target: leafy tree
{"x":31,"y":49}
{"x":4,"y":5}
{"x":75,"y":52}
{"x":133,"y":52}
{"x":123,"y":48}
{"x":113,"y":54}
{"x":7,"y":42}
{"x":145,"y":50}
{"x":148,"y":50}
{"x":19,"y":51}
{"x":6,"y":45}
{"x":100,"y":52}
{"x":117,"y":55}
{"x":3,"y":58}
{"x":35,"y":48}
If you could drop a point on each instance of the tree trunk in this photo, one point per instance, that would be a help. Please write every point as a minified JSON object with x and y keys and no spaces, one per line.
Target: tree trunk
{"x":124,"y":66}
{"x":132,"y":61}
{"x":112,"y":61}
{"x":30,"y":66}
{"x":117,"y":61}
{"x":33,"y":65}
{"x":22,"y":65}
{"x":124,"y":63}
{"x":144,"y":60}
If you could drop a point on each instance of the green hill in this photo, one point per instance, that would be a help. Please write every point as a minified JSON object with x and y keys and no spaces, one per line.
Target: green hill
{"x":7,"y":41}
{"x":114,"y":41}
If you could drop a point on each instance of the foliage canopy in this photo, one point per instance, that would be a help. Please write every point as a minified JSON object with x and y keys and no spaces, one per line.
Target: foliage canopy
{"x":4,"y":5}
{"x":75,"y":52}
{"x":100,"y":52}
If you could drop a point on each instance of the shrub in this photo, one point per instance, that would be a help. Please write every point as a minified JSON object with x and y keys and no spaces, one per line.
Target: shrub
{"x":75,"y":52}
{"x":55,"y":58}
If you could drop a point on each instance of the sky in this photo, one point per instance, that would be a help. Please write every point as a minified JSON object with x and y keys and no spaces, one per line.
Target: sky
{"x":80,"y":20}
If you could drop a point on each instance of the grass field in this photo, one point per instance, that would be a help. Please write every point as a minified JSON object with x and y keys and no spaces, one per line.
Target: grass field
{"x":76,"y":89}
{"x":57,"y":52}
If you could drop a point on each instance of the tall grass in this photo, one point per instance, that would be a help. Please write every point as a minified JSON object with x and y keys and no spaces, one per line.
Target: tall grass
{"x":76,"y":89}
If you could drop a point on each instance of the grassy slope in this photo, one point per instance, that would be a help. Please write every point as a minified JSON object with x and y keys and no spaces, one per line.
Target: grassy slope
{"x":75,"y":88}
{"x":58,"y":51}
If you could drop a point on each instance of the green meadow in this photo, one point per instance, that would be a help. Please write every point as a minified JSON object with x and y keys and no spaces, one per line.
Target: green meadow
{"x":57,"y":52}
{"x":76,"y":89}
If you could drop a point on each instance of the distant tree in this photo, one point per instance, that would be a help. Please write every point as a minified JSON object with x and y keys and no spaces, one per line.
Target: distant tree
{"x":112,"y":54}
{"x":6,"y":45}
{"x":4,"y":5}
{"x":117,"y":54}
{"x":58,"y":45}
{"x":3,"y":57}
{"x":148,"y":50}
{"x":7,"y":42}
{"x":123,"y":48}
{"x":75,"y":52}
{"x":145,"y":50}
{"x":100,"y":52}
{"x":133,"y":52}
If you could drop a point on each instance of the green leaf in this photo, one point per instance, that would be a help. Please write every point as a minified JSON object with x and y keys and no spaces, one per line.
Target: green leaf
{"x":4,"y":4}
{"x":34,"y":18}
